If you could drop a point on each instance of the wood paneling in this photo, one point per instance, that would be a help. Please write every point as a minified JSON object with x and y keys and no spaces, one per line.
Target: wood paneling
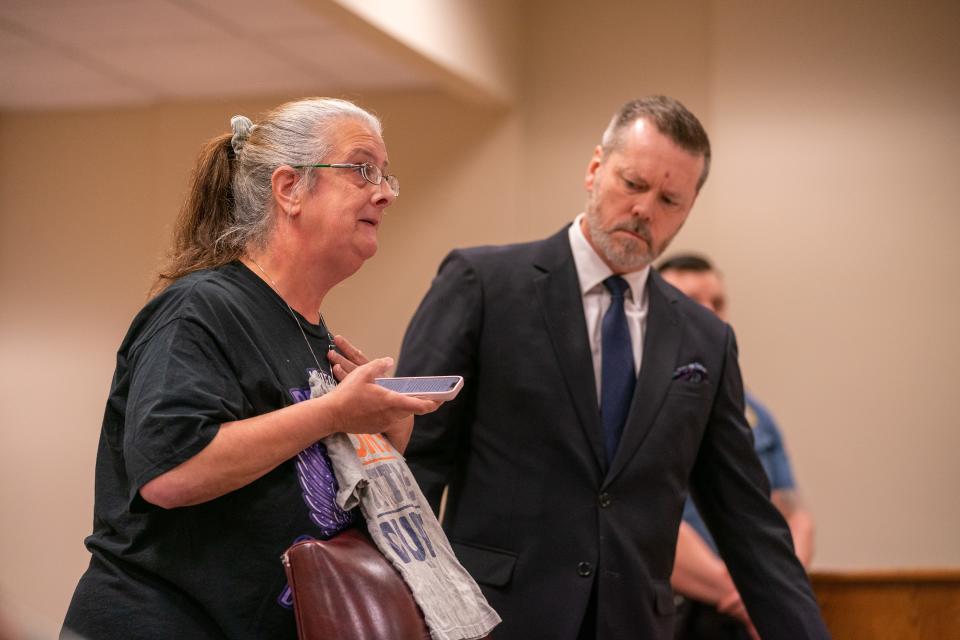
{"x":902,"y":604}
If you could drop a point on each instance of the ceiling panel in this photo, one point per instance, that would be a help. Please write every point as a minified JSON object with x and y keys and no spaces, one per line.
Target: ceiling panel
{"x":106,"y":23}
{"x":36,"y":77}
{"x":200,"y":69}
{"x":257,"y":16}
{"x":357,"y":64}
{"x":15,"y":43}
{"x":60,"y":54}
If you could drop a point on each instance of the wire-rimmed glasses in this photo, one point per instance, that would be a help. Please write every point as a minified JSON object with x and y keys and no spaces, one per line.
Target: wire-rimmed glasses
{"x":370,"y":172}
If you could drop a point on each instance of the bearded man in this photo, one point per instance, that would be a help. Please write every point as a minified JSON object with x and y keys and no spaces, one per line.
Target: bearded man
{"x":596,"y":398}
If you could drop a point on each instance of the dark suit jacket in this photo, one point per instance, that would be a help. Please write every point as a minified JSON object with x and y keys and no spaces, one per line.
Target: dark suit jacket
{"x":533,"y":512}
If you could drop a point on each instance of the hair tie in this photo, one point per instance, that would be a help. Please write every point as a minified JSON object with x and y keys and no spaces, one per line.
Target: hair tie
{"x":242,"y":126}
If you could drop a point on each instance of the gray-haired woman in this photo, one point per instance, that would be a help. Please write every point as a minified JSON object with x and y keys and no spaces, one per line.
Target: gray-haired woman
{"x":209,"y":464}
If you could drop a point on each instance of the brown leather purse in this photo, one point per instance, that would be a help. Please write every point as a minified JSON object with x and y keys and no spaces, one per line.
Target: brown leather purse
{"x":344,"y":588}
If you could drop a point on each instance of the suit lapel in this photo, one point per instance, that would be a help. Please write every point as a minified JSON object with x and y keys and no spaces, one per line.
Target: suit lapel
{"x":661,"y":344}
{"x":558,"y":294}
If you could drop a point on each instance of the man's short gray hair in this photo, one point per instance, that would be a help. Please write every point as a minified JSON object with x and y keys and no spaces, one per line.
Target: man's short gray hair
{"x":670,"y":117}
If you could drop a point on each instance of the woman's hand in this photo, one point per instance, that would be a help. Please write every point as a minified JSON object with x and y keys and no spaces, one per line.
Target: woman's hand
{"x":362,"y":406}
{"x":346,"y":360}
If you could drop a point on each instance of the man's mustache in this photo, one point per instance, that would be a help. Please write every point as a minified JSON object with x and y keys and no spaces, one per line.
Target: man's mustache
{"x":637,"y":226}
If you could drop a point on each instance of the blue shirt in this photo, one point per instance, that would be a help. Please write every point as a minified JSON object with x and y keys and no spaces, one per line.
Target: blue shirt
{"x":769,"y":446}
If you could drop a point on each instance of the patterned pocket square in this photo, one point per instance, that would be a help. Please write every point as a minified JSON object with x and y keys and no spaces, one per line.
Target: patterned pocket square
{"x":693,"y":372}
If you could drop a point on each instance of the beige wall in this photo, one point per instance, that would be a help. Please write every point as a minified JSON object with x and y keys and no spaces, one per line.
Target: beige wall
{"x":831,"y":210}
{"x":838,"y":131}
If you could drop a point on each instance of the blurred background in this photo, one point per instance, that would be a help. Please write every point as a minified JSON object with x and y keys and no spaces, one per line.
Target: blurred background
{"x":832,"y":210}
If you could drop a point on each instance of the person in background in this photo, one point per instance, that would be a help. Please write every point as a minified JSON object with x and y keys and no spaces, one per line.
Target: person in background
{"x":713,"y":608}
{"x":209,"y":464}
{"x":595,"y":397}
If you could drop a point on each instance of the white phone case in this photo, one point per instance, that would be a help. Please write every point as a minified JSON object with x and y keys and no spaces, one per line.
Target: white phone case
{"x":429,"y":387}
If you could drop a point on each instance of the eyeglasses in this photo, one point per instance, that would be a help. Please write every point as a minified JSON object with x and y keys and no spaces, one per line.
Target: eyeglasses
{"x":370,"y":172}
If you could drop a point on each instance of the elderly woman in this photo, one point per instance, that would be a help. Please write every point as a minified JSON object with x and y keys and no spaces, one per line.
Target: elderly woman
{"x":209,"y":465}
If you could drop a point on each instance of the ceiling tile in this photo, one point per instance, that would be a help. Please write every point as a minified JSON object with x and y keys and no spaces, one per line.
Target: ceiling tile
{"x":62,"y":53}
{"x":14,"y":42}
{"x":259,"y":17}
{"x":360,"y":64}
{"x":99,"y":23}
{"x":205,"y":69}
{"x":62,"y":82}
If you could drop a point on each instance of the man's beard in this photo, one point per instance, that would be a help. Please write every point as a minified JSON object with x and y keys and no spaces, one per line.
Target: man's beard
{"x":626,"y":254}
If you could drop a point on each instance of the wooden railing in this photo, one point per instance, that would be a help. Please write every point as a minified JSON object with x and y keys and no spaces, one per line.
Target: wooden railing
{"x":897,"y":604}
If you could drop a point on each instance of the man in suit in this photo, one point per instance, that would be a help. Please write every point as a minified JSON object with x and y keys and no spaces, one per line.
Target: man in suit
{"x":595,"y":395}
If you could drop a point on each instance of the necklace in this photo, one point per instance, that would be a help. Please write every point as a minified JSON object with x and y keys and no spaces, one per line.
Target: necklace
{"x":294,"y":315}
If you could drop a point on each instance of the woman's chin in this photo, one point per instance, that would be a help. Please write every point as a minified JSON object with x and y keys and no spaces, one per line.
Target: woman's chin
{"x":368,"y":251}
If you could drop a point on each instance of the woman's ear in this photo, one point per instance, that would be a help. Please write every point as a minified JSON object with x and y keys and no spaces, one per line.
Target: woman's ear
{"x":286,"y":195}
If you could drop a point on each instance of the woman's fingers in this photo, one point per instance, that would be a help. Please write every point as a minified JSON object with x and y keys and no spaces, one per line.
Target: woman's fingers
{"x":340,"y":365}
{"x":345,"y":359}
{"x":351,"y":352}
{"x":429,"y":407}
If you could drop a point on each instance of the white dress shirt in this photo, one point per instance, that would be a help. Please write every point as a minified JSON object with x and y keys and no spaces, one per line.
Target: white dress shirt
{"x":592,"y":271}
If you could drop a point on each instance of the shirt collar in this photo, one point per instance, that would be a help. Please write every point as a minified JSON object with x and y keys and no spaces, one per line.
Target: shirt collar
{"x":592,"y":270}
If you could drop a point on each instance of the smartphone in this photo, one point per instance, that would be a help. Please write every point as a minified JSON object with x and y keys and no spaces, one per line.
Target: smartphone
{"x":428,"y":387}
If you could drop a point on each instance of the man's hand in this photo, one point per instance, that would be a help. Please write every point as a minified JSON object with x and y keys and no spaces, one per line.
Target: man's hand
{"x":732,"y":605}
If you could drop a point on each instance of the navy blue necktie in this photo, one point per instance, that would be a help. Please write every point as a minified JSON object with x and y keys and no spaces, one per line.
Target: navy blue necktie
{"x":617,"y":374}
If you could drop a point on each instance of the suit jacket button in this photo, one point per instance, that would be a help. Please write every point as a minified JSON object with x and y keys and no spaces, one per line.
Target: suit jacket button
{"x":605,"y":500}
{"x":584,"y":569}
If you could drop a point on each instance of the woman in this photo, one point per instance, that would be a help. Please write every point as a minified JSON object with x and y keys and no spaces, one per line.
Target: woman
{"x":208,"y":466}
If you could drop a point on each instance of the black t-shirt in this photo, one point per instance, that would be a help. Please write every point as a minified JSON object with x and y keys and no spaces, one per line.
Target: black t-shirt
{"x":216,"y":346}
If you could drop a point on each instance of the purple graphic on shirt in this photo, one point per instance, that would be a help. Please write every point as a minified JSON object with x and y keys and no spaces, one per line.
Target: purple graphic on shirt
{"x":316,"y":473}
{"x":317,"y":480}
{"x":320,"y":491}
